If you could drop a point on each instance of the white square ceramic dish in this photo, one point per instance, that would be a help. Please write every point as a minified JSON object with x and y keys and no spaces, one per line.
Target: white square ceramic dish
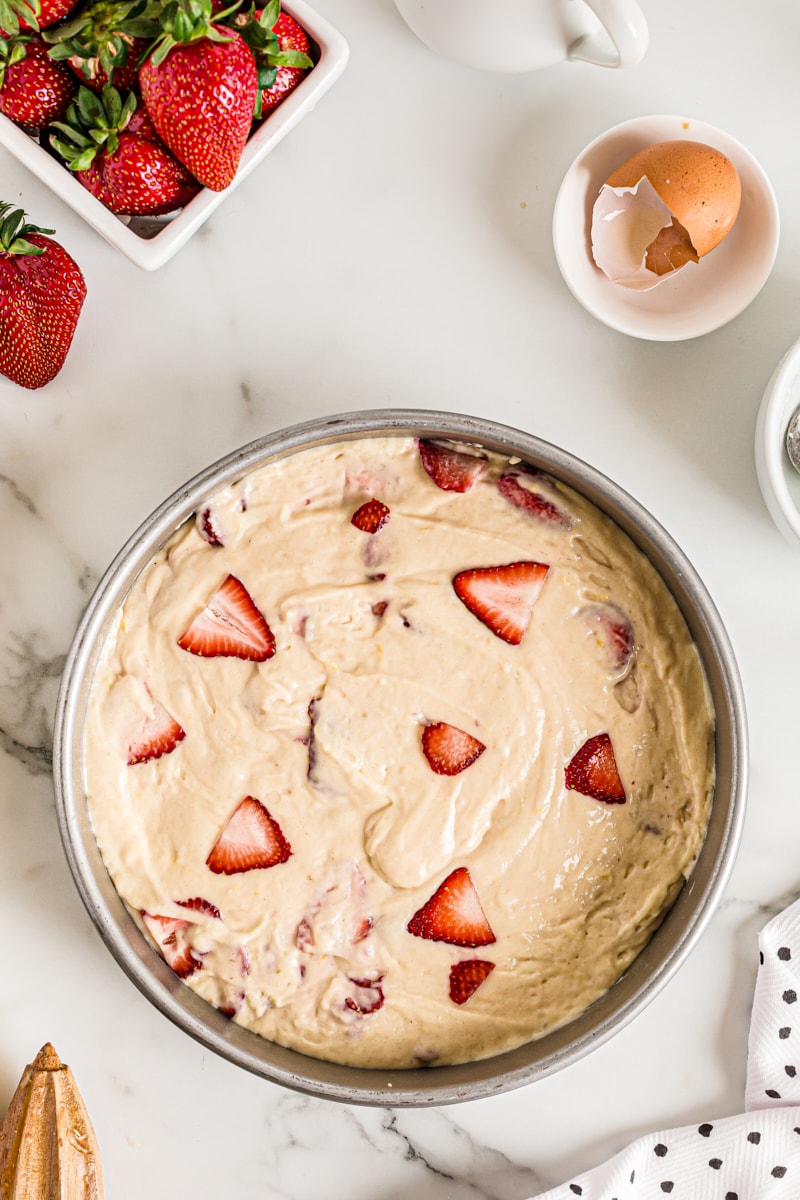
{"x":149,"y":243}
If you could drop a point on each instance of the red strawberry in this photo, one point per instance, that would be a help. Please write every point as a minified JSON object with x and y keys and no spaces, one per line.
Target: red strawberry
{"x":281,"y":49}
{"x":466,"y":977}
{"x":115,"y":152}
{"x":502,"y":597}
{"x":453,"y":914}
{"x":613,"y":633}
{"x":449,"y":750}
{"x":230,"y":626}
{"x":451,"y":470}
{"x":251,"y":841}
{"x":370,"y":517}
{"x":530,"y":502}
{"x":34,"y":90}
{"x":158,"y":735}
{"x":168,"y":934}
{"x":103,"y":42}
{"x":48,"y":12}
{"x":200,"y":86}
{"x":41,"y":294}
{"x":593,"y":771}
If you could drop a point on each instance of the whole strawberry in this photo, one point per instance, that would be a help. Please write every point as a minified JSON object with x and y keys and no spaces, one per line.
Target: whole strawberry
{"x":34,"y":90}
{"x":103,"y":41}
{"x":280,"y":47}
{"x":115,"y":152}
{"x":42,"y":292}
{"x":200,"y":85}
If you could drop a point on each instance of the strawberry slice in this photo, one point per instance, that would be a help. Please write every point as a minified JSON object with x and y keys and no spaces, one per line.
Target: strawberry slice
{"x":157,"y":734}
{"x":593,"y":771}
{"x":367,"y":996}
{"x":230,"y":626}
{"x":448,"y":749}
{"x":370,"y":517}
{"x":532,"y":503}
{"x":451,"y":470}
{"x":167,"y":933}
{"x":466,"y":977}
{"x":502,"y":597}
{"x":251,"y":841}
{"x":453,"y":914}
{"x":198,"y":904}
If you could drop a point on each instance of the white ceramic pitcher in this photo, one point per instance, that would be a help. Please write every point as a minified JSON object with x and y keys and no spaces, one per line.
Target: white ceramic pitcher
{"x":523,"y":35}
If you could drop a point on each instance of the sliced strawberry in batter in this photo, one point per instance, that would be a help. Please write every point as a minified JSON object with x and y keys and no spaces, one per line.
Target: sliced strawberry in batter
{"x":198,"y":904}
{"x":593,"y":771}
{"x":367,"y":996}
{"x":206,"y":527}
{"x":371,"y":516}
{"x":613,"y":634}
{"x":167,"y":933}
{"x":230,"y":626}
{"x":451,"y":470}
{"x":466,"y":977}
{"x":453,"y":914}
{"x":502,"y":597}
{"x":158,"y":734}
{"x":532,"y":503}
{"x":448,"y":749}
{"x":252,"y":840}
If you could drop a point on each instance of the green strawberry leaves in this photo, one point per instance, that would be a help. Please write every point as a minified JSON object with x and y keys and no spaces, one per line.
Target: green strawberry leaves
{"x":94,"y":122}
{"x":14,"y":231}
{"x":14,"y":11}
{"x":185,"y":21}
{"x":258,"y":32}
{"x":102,"y":33}
{"x":12,"y":50}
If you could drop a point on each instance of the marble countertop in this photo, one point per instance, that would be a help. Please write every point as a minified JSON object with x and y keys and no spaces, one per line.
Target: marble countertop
{"x":395,"y":250}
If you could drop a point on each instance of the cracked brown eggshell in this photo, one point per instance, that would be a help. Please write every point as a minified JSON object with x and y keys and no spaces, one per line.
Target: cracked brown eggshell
{"x":698,"y":184}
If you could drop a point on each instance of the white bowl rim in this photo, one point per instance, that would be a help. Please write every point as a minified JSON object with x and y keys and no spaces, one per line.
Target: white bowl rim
{"x":773,"y":468}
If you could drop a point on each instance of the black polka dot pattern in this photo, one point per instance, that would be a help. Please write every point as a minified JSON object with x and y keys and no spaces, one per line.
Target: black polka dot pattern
{"x":731,"y":1158}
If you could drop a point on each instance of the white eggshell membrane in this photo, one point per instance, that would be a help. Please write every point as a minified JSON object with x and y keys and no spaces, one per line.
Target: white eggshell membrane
{"x":625,"y":221}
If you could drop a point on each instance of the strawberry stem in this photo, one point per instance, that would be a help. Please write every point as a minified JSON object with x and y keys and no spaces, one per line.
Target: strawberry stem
{"x":14,"y":231}
{"x":185,"y":21}
{"x":94,"y":122}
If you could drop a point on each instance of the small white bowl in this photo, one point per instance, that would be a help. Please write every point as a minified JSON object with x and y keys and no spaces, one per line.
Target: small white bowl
{"x":777,"y":478}
{"x":150,"y":242}
{"x":700,"y":297}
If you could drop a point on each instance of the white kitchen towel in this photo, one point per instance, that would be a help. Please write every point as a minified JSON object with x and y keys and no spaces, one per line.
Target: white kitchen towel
{"x":755,"y":1156}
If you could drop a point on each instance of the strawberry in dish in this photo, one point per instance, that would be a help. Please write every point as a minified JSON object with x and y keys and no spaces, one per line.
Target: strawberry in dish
{"x":398,"y":751}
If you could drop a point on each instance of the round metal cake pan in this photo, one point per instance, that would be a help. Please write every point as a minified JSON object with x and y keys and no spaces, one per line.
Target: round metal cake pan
{"x":651,"y":970}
